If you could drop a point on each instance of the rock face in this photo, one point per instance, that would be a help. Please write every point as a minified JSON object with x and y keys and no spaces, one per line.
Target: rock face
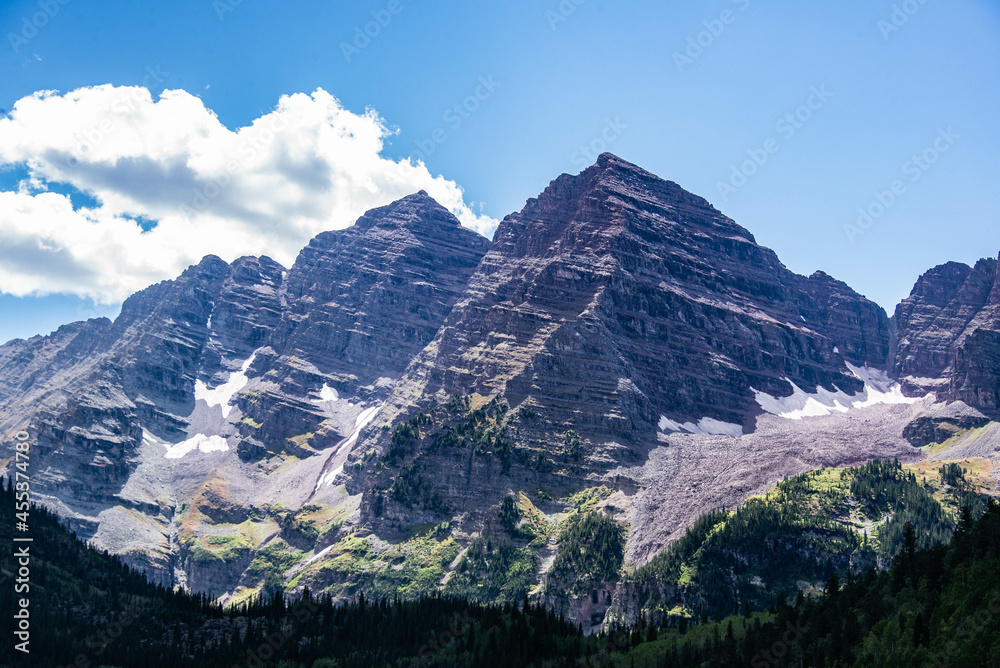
{"x":616,"y":305}
{"x":976,"y":375}
{"x":942,"y":422}
{"x":359,"y":304}
{"x":948,"y":335}
{"x":248,"y":357}
{"x":90,"y":389}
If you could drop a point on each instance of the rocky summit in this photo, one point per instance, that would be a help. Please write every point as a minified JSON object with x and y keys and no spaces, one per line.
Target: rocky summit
{"x":411,"y":408}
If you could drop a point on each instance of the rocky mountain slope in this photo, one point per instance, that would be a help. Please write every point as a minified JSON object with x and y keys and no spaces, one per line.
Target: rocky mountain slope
{"x":618,"y":308}
{"x":410,"y":408}
{"x":250,"y":358}
{"x":948,"y":335}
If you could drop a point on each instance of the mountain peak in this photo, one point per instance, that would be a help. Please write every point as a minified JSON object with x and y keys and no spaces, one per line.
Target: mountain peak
{"x":614,"y":192}
{"x":608,"y":159}
{"x":611,"y":174}
{"x":418,"y":210}
{"x":611,"y":167}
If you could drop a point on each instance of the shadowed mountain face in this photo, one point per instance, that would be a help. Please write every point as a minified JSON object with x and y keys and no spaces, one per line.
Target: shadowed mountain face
{"x":616,"y":303}
{"x":948,"y":334}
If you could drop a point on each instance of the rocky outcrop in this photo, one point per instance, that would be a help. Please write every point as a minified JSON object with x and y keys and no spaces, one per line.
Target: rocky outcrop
{"x":245,"y":314}
{"x":943,"y":422}
{"x":31,"y":367}
{"x":976,"y":375}
{"x":156,"y":343}
{"x":948,"y":335}
{"x":365,"y":300}
{"x":858,"y":327}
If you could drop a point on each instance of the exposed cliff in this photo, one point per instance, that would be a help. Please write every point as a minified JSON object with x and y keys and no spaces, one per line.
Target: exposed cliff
{"x":948,"y":335}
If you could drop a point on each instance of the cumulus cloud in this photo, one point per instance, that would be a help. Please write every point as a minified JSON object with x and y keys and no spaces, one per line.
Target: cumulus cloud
{"x":173,"y":184}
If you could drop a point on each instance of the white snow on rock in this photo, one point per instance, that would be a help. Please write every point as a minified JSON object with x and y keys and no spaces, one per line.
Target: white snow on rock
{"x":360,"y":423}
{"x":366,"y":416}
{"x":197,"y":442}
{"x":327,"y":393}
{"x":223,"y":394}
{"x":328,"y":477}
{"x":706,"y":426}
{"x":879,"y":389}
{"x":319,"y":555}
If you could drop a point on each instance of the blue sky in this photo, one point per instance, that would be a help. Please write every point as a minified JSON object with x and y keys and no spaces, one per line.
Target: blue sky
{"x":690,"y":93}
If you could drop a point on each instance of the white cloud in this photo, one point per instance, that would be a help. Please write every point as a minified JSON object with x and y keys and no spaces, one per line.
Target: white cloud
{"x":307,"y":166}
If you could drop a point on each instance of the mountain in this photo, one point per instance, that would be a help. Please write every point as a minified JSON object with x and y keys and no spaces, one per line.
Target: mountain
{"x":948,"y":335}
{"x":615,"y":276}
{"x":614,"y":309}
{"x":411,"y":409}
{"x":85,"y":607}
{"x":828,"y":520}
{"x":111,"y":405}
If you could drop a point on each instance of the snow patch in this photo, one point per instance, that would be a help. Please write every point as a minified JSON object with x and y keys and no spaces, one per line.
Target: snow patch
{"x":327,"y":478}
{"x":360,"y":423}
{"x":327,"y":393}
{"x":706,"y":426}
{"x":318,"y":555}
{"x":197,"y":442}
{"x":223,"y":394}
{"x":366,"y":416}
{"x":879,"y":389}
